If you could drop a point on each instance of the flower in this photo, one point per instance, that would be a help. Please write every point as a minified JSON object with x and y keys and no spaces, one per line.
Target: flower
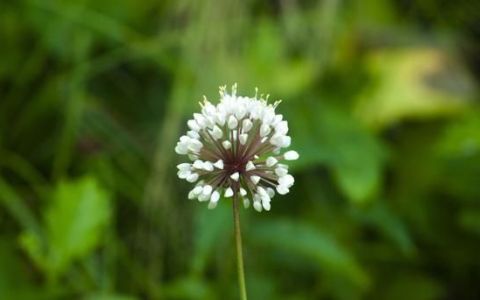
{"x":235,"y":149}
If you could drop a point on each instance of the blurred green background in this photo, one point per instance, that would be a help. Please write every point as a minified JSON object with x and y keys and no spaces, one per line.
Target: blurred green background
{"x":382,"y":99}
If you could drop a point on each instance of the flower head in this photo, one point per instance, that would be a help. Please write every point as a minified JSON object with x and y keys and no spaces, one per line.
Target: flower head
{"x":236,"y":150}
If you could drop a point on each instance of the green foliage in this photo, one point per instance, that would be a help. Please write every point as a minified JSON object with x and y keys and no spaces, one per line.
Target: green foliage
{"x":341,"y":143}
{"x":382,"y":103}
{"x":413,"y":286}
{"x":73,"y":226}
{"x":413,"y":83}
{"x":317,"y":247}
{"x":108,"y":297}
{"x":14,"y":284}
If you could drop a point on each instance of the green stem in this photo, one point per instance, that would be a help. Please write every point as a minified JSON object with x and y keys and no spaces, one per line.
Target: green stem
{"x":238,"y":243}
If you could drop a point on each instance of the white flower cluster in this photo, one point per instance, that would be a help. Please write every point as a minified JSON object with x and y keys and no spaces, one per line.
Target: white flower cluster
{"x":235,"y":149}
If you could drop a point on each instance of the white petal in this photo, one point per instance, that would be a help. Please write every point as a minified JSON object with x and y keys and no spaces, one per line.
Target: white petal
{"x":220,"y":118}
{"x":240,"y":112}
{"x":247,"y":125}
{"x":249,"y":166}
{"x":192,"y":177}
{"x":287,"y":141}
{"x":246,"y":203}
{"x":282,"y":190}
{"x":243,"y":138}
{"x":185,"y":139}
{"x":195,"y":145}
{"x":226,"y":144}
{"x":232,"y":122}
{"x":212,"y":205}
{"x":197,"y":190}
{"x":216,"y":133}
{"x":282,"y":141}
{"x":208,"y":166}
{"x":266,"y":198}
{"x":191,"y":195}
{"x":291,"y":155}
{"x":183,"y":174}
{"x":277,"y":120}
{"x":265,"y":130}
{"x":215,"y":196}
{"x":210,"y":121}
{"x":181,"y":149}
{"x":281,"y":128}
{"x":280,"y":171}
{"x":257,"y":205}
{"x":193,"y":134}
{"x":235,"y":176}
{"x":268,"y":115}
{"x":193,"y":125}
{"x":261,"y":191}
{"x":198,"y":164}
{"x":184,"y":167}
{"x":243,"y":192}
{"x":219,"y":164}
{"x":286,"y":180}
{"x":202,"y":197}
{"x":208,"y":108}
{"x":266,"y":205}
{"x":228,"y":193}
{"x":207,"y":190}
{"x":271,"y":161}
{"x":200,"y":119}
{"x":270,"y":192}
{"x":255,"y":179}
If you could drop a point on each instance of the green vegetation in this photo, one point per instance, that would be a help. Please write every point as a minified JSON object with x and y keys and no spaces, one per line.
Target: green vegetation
{"x":382,"y":101}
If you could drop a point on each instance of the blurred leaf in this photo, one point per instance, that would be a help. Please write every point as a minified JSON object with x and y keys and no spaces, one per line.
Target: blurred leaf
{"x":326,"y":135}
{"x":14,"y":282}
{"x":188,"y":288}
{"x":413,"y":83}
{"x":358,"y":182}
{"x":458,"y":151}
{"x":78,"y":212}
{"x":11,"y":31}
{"x":261,"y":287}
{"x":470,"y":220}
{"x":414,"y":287}
{"x":22,"y":168}
{"x":109,"y":297}
{"x":15,"y":205}
{"x":385,"y":220}
{"x":270,"y":65}
{"x":311,"y":243}
{"x":209,"y":229}
{"x":63,"y":21}
{"x":374,"y":14}
{"x":75,"y":220}
{"x":35,"y":248}
{"x":462,"y":138}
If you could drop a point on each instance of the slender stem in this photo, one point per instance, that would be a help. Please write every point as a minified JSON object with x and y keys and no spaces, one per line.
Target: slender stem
{"x":238,"y":242}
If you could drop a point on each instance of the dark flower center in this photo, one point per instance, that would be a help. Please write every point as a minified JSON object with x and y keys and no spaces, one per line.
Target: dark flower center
{"x":236,"y":165}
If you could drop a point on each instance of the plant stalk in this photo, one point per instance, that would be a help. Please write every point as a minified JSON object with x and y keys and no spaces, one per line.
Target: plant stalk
{"x":238,"y":243}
